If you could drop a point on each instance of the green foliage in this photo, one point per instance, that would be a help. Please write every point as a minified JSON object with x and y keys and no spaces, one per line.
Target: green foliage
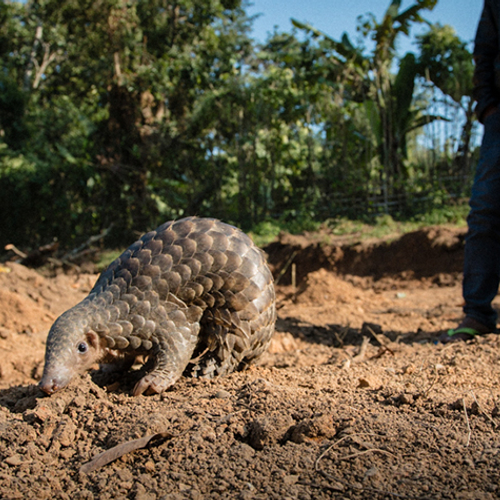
{"x":106,"y":257}
{"x":266,"y":231}
{"x":451,"y":214}
{"x":33,"y":193}
{"x":121,"y":115}
{"x":446,"y":61}
{"x":386,"y":226}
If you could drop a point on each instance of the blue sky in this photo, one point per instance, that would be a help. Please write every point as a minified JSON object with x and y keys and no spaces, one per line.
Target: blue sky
{"x":336,"y":16}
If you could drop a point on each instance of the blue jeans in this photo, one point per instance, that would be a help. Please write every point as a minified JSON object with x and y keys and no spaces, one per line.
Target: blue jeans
{"x":482,"y":244}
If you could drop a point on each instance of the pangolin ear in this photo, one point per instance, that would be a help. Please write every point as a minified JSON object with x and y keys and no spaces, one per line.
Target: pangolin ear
{"x":92,"y":339}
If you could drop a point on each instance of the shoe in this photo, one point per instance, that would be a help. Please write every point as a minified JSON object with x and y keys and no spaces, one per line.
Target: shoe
{"x":458,"y":334}
{"x":467,"y":330}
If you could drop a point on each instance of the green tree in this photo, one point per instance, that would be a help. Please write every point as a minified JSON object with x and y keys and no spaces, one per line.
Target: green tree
{"x":125,"y":114}
{"x":445,"y":60}
{"x":113,"y":95}
{"x":386,"y":97}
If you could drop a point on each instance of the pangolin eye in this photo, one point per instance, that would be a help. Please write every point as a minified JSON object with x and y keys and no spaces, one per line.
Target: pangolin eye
{"x":82,"y":347}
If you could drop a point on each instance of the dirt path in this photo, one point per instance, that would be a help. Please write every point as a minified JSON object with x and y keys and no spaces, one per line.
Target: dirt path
{"x":353,"y":400}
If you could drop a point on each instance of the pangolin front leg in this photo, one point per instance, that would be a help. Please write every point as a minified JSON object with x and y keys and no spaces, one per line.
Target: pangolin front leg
{"x":173,"y":349}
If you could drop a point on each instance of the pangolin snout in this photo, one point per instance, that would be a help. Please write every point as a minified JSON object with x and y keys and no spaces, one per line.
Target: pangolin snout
{"x":53,"y":383}
{"x":50,"y":385}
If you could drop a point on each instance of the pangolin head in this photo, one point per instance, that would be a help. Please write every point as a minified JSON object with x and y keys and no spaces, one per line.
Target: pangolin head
{"x":72,"y":348}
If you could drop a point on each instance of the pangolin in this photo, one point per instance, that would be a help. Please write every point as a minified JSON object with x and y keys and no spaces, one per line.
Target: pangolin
{"x":195,"y":297}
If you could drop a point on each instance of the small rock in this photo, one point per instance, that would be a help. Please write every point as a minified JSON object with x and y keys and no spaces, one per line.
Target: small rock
{"x":67,"y":453}
{"x":312,"y":429}
{"x":43,"y":413}
{"x":222,"y":394}
{"x":363,"y":383}
{"x":405,"y":399}
{"x":373,"y":471}
{"x":290,"y":479}
{"x":5,"y":334}
{"x":369,"y":381}
{"x":14,"y":460}
{"x":149,"y":466}
{"x":207,"y":433}
{"x":268,"y":430}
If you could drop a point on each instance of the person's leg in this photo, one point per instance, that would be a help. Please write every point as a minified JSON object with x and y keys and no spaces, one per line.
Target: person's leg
{"x":482,"y":247}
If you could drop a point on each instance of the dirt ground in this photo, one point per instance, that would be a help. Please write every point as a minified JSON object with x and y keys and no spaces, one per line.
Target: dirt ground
{"x":355,"y":399}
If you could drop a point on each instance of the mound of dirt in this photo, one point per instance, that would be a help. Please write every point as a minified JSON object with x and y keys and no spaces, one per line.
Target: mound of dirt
{"x":323,"y":287}
{"x":354,"y":399}
{"x":426,"y":253}
{"x":31,"y":302}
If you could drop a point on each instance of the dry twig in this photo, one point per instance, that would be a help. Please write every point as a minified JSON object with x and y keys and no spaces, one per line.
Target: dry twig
{"x":14,"y":249}
{"x":346,"y":484}
{"x":426,"y":392}
{"x":76,"y":252}
{"x":383,"y":341}
{"x":285,"y":267}
{"x":362,"y":350}
{"x":118,"y":451}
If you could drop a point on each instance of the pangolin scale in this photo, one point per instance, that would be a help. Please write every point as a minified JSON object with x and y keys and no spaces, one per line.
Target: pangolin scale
{"x":195,"y":295}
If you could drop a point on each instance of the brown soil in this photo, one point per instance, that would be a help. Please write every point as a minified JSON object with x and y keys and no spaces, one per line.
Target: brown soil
{"x":353,"y":400}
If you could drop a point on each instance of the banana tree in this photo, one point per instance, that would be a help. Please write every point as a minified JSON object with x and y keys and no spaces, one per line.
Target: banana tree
{"x":446,"y":61}
{"x":387,"y":97}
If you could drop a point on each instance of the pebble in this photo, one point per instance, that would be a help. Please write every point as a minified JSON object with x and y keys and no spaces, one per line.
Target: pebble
{"x":14,"y":460}
{"x":290,"y":479}
{"x":222,"y":394}
{"x":369,"y":381}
